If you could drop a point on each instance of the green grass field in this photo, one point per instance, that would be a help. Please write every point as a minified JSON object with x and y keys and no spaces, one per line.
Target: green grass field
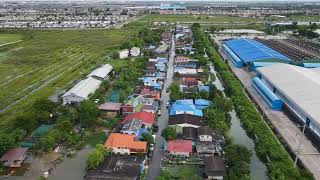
{"x":50,"y":61}
{"x":8,"y":38}
{"x":199,"y":19}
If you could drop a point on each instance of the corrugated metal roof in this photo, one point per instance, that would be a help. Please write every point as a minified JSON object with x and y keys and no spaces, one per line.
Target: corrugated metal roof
{"x":300,"y":85}
{"x":249,"y":50}
{"x":101,"y":72}
{"x":84,"y":88}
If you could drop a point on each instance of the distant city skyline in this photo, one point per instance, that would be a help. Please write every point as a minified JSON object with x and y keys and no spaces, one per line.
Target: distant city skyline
{"x":164,"y":0}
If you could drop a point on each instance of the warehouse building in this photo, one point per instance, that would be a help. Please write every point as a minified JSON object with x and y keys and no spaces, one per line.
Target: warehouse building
{"x":245,"y":51}
{"x":101,"y":73}
{"x":81,"y":91}
{"x":298,"y":88}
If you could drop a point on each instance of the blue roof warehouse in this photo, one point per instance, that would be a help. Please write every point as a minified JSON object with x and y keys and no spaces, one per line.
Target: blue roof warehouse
{"x":243,"y":51}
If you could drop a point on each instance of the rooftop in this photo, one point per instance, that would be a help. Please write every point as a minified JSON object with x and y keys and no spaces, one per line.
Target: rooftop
{"x":186,"y":119}
{"x":300,"y":85}
{"x":84,"y":88}
{"x":118,"y":167}
{"x":145,"y":117}
{"x":125,"y":141}
{"x":110,"y":106}
{"x":249,"y":50}
{"x":16,"y":154}
{"x":101,"y":72}
{"x":214,"y":166}
{"x":180,"y":146}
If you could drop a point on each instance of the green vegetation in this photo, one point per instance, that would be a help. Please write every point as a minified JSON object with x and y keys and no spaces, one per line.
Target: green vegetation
{"x":165,"y":175}
{"x":46,"y":62}
{"x":169,"y":133}
{"x":8,"y":38}
{"x":277,"y":160}
{"x":96,"y":157}
{"x":94,"y":138}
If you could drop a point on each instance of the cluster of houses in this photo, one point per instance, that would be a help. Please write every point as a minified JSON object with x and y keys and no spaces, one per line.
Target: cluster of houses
{"x":138,"y":116}
{"x":196,"y":143}
{"x":187,"y":69}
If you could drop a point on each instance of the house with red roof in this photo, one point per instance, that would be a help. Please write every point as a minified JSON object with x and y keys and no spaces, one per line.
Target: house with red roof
{"x":180,"y":147}
{"x":150,"y":93}
{"x":147,"y":118}
{"x":125,"y":144}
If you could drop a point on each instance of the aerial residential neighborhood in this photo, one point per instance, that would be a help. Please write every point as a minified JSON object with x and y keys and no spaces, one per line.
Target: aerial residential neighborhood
{"x":159,"y":90}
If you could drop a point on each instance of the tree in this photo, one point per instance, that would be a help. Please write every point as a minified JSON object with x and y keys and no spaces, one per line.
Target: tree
{"x":88,"y":113}
{"x":165,"y":175}
{"x":147,"y":137}
{"x":169,"y":133}
{"x":175,"y":93}
{"x":45,"y":104}
{"x":96,"y":157}
{"x":6,"y":142}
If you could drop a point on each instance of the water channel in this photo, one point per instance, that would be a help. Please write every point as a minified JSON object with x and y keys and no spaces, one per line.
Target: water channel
{"x":257,"y":168}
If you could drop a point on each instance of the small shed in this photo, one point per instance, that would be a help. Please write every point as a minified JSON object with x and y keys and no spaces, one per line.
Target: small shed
{"x":214,"y":167}
{"x":110,"y":109}
{"x":14,"y":157}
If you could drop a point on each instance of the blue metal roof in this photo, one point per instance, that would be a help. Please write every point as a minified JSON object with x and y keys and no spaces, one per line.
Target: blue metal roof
{"x":185,"y":106}
{"x":311,"y":65}
{"x":249,"y":50}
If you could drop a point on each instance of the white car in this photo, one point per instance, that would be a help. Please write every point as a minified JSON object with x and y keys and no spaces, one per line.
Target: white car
{"x":151,"y":147}
{"x":159,"y":112}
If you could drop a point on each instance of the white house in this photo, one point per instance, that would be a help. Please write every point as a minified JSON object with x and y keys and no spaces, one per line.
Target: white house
{"x":135,"y":51}
{"x":81,"y":91}
{"x":124,"y":54}
{"x":101,"y":73}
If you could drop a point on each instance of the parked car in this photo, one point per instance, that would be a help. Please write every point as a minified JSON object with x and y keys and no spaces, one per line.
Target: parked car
{"x":155,"y":128}
{"x":168,"y":104}
{"x":151,"y":147}
{"x":159,"y":112}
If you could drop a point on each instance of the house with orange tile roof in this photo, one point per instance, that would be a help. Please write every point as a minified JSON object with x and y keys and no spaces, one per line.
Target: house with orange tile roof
{"x":125,"y":144}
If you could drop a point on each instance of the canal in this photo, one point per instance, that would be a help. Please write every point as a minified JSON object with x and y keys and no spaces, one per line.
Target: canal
{"x":257,"y":168}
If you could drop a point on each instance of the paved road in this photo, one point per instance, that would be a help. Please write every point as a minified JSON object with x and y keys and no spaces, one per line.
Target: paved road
{"x":288,"y":130}
{"x":155,"y":167}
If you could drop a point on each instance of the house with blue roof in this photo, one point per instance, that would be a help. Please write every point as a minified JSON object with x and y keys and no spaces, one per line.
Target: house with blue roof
{"x":203,"y":88}
{"x":201,"y":103}
{"x":161,"y":66}
{"x":152,"y":82}
{"x":162,"y":60}
{"x":185,"y":106}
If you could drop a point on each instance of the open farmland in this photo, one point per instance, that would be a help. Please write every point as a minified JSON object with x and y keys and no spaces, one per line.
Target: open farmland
{"x":6,"y":38}
{"x":48,"y":62}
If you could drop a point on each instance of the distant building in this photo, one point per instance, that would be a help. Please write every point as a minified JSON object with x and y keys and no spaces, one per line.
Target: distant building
{"x":172,"y":6}
{"x":205,"y":133}
{"x":124,"y":54}
{"x":81,"y":91}
{"x":135,"y":51}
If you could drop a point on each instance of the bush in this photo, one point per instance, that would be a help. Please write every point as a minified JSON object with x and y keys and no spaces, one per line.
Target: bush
{"x":96,"y":157}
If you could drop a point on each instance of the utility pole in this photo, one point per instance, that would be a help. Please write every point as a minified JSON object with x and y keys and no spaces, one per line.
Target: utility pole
{"x":299,"y":145}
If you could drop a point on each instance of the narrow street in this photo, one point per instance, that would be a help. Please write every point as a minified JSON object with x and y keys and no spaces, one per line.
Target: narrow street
{"x":155,"y":166}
